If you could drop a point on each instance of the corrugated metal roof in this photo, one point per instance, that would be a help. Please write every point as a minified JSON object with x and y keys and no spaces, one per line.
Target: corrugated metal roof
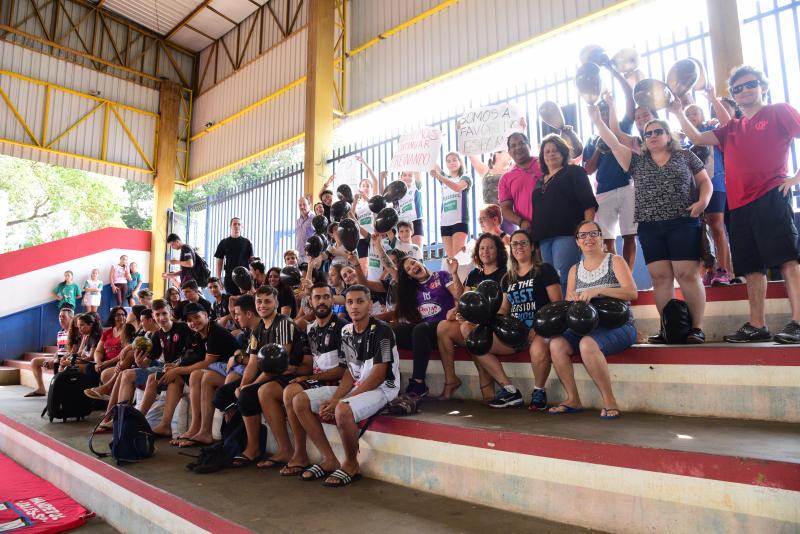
{"x":212,"y":20}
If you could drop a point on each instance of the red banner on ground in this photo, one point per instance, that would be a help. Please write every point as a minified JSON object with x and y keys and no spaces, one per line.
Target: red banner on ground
{"x":29,"y":504}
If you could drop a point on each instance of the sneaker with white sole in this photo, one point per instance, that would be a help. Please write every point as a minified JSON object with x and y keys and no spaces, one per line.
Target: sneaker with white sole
{"x":790,"y":334}
{"x":749,"y":334}
{"x":508,"y":396}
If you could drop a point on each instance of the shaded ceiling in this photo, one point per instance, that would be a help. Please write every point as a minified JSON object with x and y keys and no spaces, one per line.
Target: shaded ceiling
{"x":192,"y":24}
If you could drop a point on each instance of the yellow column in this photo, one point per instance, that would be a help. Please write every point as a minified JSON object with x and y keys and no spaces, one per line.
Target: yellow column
{"x":164,"y":182}
{"x":319,"y":93}
{"x":726,"y":41}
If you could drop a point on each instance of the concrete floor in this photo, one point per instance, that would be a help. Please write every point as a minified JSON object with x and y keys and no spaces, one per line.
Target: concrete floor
{"x":266,"y":502}
{"x":730,"y":437}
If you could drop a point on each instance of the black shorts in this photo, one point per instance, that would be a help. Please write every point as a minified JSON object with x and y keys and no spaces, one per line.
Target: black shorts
{"x":449,"y":231}
{"x":314,"y":384}
{"x":363,"y":247}
{"x":418,"y":228}
{"x":717,"y":202}
{"x":672,"y":240}
{"x":763,"y":234}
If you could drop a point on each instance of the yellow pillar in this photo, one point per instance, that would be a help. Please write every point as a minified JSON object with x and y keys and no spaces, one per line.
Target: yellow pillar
{"x":319,"y":93}
{"x":726,"y":41}
{"x":164,"y":182}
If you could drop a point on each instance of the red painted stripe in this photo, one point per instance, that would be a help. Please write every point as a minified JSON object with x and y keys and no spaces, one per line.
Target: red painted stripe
{"x":753,"y":472}
{"x":775,"y":290}
{"x":32,"y":258}
{"x":198,"y":516}
{"x":777,"y":355}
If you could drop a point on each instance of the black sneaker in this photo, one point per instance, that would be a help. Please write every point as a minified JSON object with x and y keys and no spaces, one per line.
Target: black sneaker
{"x":657,"y":339}
{"x":696,"y":337}
{"x":506,"y":399}
{"x":749,"y":334}
{"x":418,"y":389}
{"x":789,"y":335}
{"x":538,"y":400}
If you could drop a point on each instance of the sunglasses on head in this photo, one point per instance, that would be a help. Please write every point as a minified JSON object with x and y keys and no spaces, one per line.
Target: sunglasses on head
{"x":654,"y":131}
{"x":736,"y":89}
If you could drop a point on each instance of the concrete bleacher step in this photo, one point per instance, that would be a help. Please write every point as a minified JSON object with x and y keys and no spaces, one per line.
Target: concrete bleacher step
{"x":25,"y":374}
{"x":756,"y":381}
{"x":641,"y":473}
{"x":9,"y":376}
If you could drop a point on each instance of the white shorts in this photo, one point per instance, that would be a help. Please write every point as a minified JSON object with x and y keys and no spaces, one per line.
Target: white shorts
{"x":615,"y":212}
{"x":362,"y":405}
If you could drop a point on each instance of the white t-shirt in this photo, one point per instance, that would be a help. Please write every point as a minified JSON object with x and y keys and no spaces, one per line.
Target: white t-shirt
{"x":455,"y":207}
{"x":409,"y":249}
{"x":409,"y":208}
{"x":365,"y":217}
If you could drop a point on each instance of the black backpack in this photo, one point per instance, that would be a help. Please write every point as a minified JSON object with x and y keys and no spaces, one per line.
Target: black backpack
{"x":65,"y":398}
{"x":220,"y":455}
{"x":201,"y":271}
{"x":675,"y":322}
{"x":132,"y":438}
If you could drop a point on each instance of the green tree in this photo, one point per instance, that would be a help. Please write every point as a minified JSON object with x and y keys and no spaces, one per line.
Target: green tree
{"x":138,"y":213}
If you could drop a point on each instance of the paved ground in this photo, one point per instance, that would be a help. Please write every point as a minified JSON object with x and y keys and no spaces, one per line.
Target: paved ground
{"x":266,"y":502}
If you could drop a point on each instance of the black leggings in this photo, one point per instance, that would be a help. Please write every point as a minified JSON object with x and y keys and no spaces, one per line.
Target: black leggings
{"x":420,"y":338}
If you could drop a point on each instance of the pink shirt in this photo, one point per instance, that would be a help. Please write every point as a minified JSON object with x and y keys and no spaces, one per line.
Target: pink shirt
{"x":756,"y":151}
{"x":517,"y":186}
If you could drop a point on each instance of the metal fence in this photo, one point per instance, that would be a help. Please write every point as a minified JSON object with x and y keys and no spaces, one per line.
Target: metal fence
{"x":269,"y":208}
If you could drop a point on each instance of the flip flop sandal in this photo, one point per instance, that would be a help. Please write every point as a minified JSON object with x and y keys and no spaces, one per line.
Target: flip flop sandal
{"x":316,"y":471}
{"x":342,"y":479}
{"x":242,"y":461}
{"x":186,"y":443}
{"x":604,"y":413}
{"x":292,"y":470}
{"x":566,"y":410}
{"x":35,"y":394}
{"x":272,"y":464}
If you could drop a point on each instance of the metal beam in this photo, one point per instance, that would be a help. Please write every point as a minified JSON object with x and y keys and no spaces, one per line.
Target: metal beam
{"x":186,"y":19}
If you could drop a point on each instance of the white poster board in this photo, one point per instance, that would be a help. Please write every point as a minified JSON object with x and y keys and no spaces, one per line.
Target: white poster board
{"x":417,"y":151}
{"x":484,"y":130}
{"x":348,"y":171}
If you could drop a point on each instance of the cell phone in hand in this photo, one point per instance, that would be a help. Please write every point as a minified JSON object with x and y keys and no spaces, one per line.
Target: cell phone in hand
{"x":159,"y":375}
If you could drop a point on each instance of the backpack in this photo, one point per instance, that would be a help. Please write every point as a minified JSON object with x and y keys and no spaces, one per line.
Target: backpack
{"x":675,"y":322}
{"x":132,"y":438}
{"x":201,"y":271}
{"x":234,"y":441}
{"x":65,"y":398}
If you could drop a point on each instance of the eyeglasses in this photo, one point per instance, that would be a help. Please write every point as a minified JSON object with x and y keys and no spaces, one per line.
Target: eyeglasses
{"x":736,"y":89}
{"x":654,"y":131}
{"x":520,"y":244}
{"x":120,"y":314}
{"x":583,"y":235}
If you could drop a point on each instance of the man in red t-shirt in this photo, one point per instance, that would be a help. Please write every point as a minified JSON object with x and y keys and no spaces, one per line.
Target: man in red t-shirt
{"x":515,"y":189}
{"x":762,"y":230}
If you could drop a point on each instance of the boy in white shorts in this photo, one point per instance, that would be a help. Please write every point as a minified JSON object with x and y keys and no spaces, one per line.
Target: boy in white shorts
{"x":369,"y":352}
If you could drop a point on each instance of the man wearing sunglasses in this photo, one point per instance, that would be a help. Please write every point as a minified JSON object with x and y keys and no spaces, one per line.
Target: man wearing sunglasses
{"x":762,"y":230}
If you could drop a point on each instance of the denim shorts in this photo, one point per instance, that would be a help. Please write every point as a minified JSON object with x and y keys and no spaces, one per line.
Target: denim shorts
{"x":610,"y":341}
{"x":143,"y":373}
{"x":672,"y":240}
{"x":222,"y":368}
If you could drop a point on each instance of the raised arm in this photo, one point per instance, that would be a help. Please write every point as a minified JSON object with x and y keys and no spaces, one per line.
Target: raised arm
{"x":621,"y":153}
{"x":372,"y":177}
{"x":480,"y":167}
{"x":577,"y":146}
{"x":719,"y":110}
{"x":325,"y":185}
{"x":456,"y":186}
{"x":630,"y":105}
{"x":696,"y":137}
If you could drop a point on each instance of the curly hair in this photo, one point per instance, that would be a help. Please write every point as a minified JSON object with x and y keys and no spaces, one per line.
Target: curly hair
{"x":562,"y":147}
{"x":502,"y":252}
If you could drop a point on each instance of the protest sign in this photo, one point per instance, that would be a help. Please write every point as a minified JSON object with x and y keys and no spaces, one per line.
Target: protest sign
{"x":484,"y":130}
{"x":417,"y":151}
{"x":348,"y":171}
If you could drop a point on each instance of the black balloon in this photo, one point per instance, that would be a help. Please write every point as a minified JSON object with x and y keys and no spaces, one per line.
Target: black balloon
{"x":320,"y":224}
{"x":242,"y":278}
{"x":479,"y":341}
{"x":291,"y":275}
{"x":376,"y":203}
{"x":339,"y":210}
{"x":345,"y":193}
{"x":613,"y":312}
{"x":582,"y":317}
{"x":551,"y":319}
{"x":494,"y":296}
{"x":510,"y":330}
{"x":348,"y":234}
{"x":314,"y":246}
{"x":395,"y":191}
{"x":386,"y":220}
{"x":272,"y":359}
{"x":473,"y":307}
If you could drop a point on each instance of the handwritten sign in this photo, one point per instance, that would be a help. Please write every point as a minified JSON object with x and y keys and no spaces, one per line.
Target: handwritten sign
{"x":348,"y":171}
{"x":417,"y":151}
{"x":484,"y":130}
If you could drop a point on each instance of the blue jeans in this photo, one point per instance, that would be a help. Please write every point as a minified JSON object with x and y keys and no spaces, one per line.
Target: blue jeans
{"x":562,"y":253}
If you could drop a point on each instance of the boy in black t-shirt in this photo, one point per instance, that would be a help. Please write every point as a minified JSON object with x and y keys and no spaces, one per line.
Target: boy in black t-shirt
{"x":324,"y":340}
{"x":192,"y":294}
{"x":209,"y":342}
{"x":219,"y":304}
{"x":186,"y":260}
{"x":369,"y":352}
{"x":263,"y":392}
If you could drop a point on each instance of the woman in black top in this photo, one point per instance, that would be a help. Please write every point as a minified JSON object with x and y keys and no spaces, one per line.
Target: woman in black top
{"x":671,"y":190}
{"x":562,"y":198}
{"x":490,"y":257}
{"x":287,"y":305}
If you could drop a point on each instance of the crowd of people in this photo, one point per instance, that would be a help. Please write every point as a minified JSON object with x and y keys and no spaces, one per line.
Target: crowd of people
{"x":317,"y":338}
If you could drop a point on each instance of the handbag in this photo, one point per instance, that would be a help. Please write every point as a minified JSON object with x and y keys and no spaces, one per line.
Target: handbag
{"x":708,"y":254}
